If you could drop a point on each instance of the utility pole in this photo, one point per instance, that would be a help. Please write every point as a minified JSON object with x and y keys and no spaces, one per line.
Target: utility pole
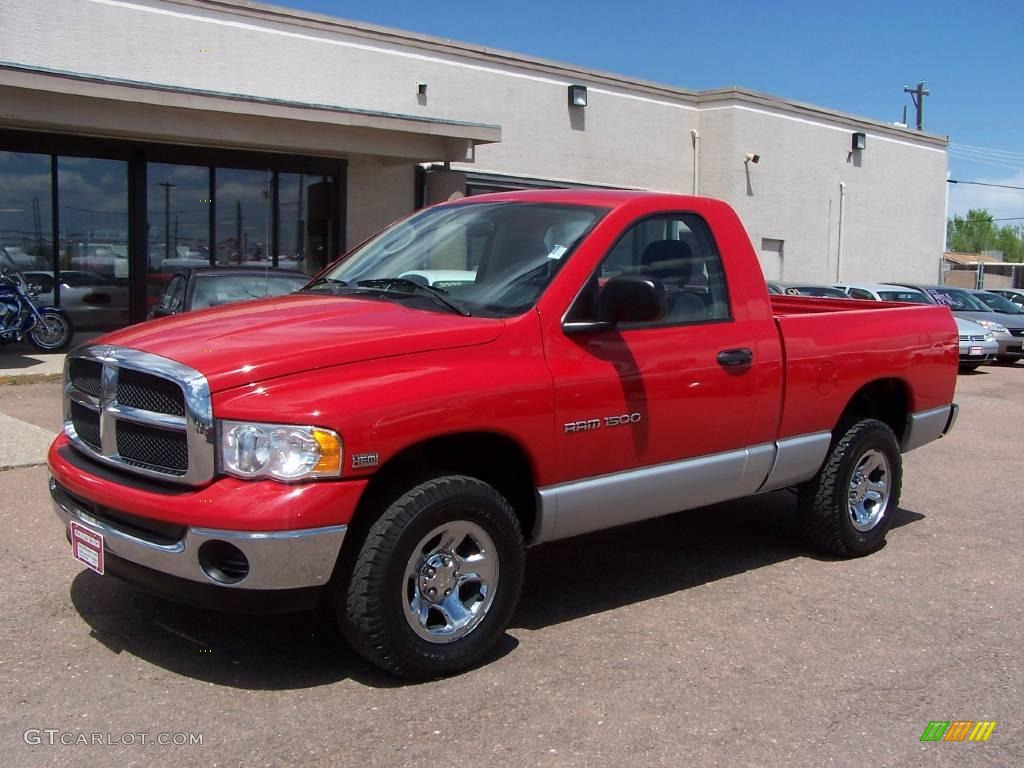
{"x":917,"y":96}
{"x":167,"y":216}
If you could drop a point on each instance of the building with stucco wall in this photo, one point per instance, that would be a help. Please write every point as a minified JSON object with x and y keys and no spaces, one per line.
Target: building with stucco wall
{"x":138,"y":136}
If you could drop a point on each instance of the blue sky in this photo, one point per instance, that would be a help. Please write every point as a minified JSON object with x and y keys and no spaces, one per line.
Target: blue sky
{"x":854,"y":56}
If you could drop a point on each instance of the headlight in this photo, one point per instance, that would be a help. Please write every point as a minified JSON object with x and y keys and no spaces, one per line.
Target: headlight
{"x":990,"y":336}
{"x":279,"y":451}
{"x":988,"y":325}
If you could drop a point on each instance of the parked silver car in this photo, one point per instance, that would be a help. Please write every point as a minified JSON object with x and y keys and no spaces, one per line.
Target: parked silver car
{"x":1007,"y":328}
{"x":977,"y":345}
{"x":1016,"y":295}
{"x":92,"y":301}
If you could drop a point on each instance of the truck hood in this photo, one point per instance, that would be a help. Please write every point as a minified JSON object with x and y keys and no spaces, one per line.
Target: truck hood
{"x":259,"y":340}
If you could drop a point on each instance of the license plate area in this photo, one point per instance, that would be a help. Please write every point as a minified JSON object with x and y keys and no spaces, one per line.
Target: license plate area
{"x":87,"y":546}
{"x":976,"y":351}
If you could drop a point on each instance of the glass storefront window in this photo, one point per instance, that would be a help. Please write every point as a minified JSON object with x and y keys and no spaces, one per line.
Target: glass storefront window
{"x":244,"y":201}
{"x":178,"y":223}
{"x":92,"y":197}
{"x":26,"y":222}
{"x":304,"y":220}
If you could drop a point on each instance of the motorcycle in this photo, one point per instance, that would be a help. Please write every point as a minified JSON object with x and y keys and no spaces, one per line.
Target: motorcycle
{"x":48,"y":329}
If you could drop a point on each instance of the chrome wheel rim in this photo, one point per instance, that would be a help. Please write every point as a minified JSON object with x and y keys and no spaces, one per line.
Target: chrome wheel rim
{"x":450,"y":581}
{"x":869,"y":490}
{"x":50,"y":331}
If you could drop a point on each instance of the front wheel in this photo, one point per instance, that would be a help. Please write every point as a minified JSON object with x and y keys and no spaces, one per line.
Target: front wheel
{"x":846,"y":509}
{"x":436,"y":579}
{"x":52,"y":332}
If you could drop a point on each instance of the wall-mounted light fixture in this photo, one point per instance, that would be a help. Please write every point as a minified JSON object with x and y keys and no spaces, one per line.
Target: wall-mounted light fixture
{"x":577,"y":96}
{"x":859,"y":142}
{"x":752,"y":158}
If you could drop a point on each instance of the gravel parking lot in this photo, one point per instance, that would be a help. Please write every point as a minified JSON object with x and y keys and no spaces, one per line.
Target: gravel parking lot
{"x":708,"y":638}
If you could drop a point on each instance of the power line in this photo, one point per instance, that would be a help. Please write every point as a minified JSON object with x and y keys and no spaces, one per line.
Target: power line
{"x":988,"y":151}
{"x":983,"y":184}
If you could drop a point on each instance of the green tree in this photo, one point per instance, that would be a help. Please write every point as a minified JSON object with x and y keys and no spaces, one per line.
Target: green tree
{"x":973,"y":234}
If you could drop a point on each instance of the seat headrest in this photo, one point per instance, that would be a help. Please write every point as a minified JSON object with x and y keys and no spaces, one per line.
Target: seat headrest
{"x":668,"y":259}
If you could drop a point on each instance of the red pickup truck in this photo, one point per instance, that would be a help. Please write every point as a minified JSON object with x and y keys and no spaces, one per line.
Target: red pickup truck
{"x":485,"y":375}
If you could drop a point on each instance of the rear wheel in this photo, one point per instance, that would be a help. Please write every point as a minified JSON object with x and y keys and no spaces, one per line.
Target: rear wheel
{"x":436,"y":579}
{"x":846,"y":509}
{"x":52,"y":332}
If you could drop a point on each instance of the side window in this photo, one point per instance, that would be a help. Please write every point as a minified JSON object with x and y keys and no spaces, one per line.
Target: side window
{"x":679,"y":251}
{"x":173,"y":293}
{"x":857,"y":293}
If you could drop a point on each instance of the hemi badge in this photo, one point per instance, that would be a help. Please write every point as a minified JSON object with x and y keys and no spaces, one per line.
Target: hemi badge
{"x":360,"y":460}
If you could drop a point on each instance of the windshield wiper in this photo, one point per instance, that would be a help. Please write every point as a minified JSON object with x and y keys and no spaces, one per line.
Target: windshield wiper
{"x":324,"y":280}
{"x":412,"y":287}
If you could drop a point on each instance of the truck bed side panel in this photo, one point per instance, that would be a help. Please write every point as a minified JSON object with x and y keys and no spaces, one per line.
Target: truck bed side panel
{"x":832,"y":354}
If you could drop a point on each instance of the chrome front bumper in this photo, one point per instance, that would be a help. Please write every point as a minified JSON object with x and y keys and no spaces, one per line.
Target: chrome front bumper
{"x":277,"y":560}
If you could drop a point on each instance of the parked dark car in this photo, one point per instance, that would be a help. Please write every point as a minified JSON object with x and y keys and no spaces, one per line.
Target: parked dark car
{"x":202,"y":287}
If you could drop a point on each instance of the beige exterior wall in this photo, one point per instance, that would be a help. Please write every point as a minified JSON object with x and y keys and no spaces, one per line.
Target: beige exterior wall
{"x":237,"y":56}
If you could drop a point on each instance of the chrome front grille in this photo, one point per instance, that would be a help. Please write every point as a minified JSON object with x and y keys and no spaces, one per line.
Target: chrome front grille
{"x":972,"y":338}
{"x":141,"y":412}
{"x":1016,"y":331}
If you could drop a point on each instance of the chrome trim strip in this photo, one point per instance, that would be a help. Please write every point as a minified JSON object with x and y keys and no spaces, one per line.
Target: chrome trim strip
{"x":197,"y":423}
{"x":797,"y":459}
{"x":582,"y":506}
{"x":82,"y":398}
{"x":925,"y":426}
{"x":277,"y":559}
{"x":140,"y":416}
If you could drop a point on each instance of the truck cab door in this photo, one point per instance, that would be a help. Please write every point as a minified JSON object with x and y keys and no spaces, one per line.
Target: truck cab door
{"x":665,"y":407}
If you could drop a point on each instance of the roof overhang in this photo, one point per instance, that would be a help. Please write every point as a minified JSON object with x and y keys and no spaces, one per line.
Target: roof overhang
{"x":49,"y":100}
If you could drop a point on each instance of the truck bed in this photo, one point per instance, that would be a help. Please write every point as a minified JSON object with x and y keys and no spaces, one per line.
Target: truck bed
{"x":828,"y":357}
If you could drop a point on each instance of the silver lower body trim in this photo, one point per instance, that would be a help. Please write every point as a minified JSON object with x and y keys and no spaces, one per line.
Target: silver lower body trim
{"x":277,"y":559}
{"x":925,"y":426}
{"x":595,"y":503}
{"x":797,"y":459}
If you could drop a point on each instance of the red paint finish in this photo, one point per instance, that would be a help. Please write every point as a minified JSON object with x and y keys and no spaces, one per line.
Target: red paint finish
{"x":226,"y":504}
{"x":388,"y":377}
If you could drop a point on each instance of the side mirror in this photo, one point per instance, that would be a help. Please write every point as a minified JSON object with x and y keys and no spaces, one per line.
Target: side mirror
{"x":624,"y":299}
{"x":632,"y":299}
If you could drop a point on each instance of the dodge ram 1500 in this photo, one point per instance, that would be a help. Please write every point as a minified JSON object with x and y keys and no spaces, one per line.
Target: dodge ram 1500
{"x":387,"y":444}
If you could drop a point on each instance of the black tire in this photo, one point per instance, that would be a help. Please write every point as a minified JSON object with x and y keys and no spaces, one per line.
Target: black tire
{"x":824,"y":502}
{"x":62,"y":339}
{"x":1006,"y":359}
{"x":371,"y":605}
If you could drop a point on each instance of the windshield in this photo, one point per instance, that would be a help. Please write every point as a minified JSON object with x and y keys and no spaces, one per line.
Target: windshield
{"x":999,"y":304}
{"x":913,"y":297}
{"x":214,"y":290}
{"x":957,"y":300}
{"x":492,"y":259}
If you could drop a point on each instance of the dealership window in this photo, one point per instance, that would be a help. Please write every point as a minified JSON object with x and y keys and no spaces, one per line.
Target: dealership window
{"x":304,"y":221}
{"x":26,"y":221}
{"x":129,"y":215}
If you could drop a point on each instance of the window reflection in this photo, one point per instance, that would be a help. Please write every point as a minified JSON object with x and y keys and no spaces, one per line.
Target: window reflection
{"x":26,"y":223}
{"x":178,"y":223}
{"x":304,"y":216}
{"x":243,"y":200}
{"x":92,"y":197}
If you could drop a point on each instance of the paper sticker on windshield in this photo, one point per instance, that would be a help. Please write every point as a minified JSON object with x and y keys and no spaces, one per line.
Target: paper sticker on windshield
{"x":557,"y":252}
